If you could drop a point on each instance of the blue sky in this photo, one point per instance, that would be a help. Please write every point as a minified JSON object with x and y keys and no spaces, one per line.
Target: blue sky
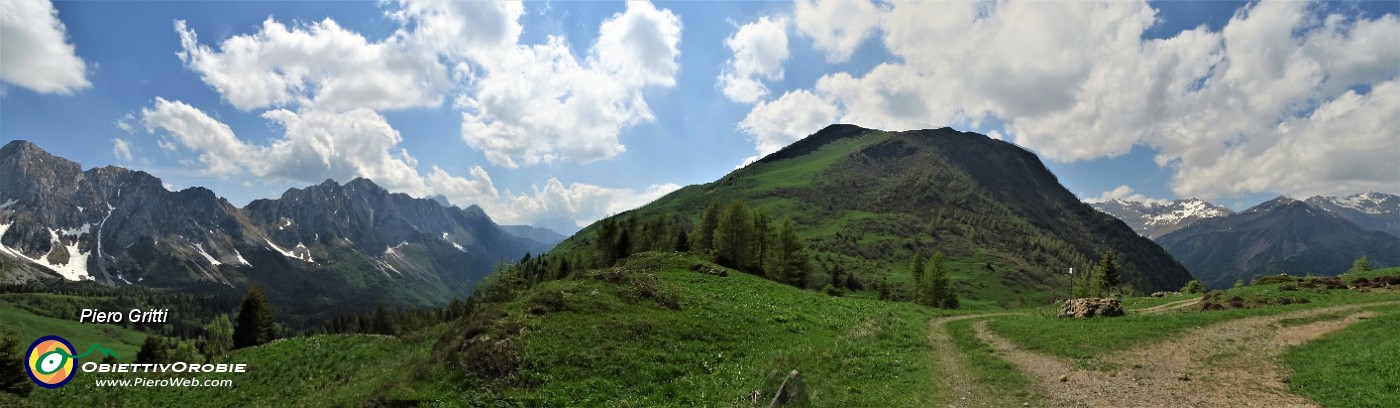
{"x":556,"y":114}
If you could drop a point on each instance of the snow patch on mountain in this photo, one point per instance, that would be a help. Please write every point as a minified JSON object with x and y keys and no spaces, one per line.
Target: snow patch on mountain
{"x":200,"y":247}
{"x":76,"y":267}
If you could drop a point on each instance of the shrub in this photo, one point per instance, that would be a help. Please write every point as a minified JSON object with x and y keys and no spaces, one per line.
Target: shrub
{"x":1272,"y":279}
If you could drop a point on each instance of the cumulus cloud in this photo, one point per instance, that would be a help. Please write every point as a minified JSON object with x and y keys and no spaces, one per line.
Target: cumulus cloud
{"x":121,"y":150}
{"x":1125,"y":193}
{"x":760,"y":48}
{"x":582,"y":203}
{"x":537,"y":104}
{"x":219,"y":150}
{"x":1281,"y":82}
{"x":787,"y":119}
{"x":837,"y":27}
{"x":34,"y":49}
{"x":318,"y":63}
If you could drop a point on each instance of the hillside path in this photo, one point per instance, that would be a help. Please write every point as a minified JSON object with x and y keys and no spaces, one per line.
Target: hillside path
{"x":1231,"y":363}
{"x":955,"y":376}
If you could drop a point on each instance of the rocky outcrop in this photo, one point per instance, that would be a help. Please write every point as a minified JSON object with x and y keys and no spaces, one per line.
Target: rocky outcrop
{"x":1092,"y":307}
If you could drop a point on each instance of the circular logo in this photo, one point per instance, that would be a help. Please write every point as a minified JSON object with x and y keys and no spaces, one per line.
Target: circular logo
{"x":50,"y":362}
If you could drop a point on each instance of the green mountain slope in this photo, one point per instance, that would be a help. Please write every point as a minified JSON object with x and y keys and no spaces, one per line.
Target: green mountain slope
{"x":866,"y":201}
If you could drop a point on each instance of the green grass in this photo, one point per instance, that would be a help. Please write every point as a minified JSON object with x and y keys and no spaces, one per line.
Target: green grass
{"x":1354,"y":367}
{"x":124,"y":342}
{"x":728,"y":336}
{"x":1008,"y":386}
{"x":329,"y":370}
{"x":1085,"y":338}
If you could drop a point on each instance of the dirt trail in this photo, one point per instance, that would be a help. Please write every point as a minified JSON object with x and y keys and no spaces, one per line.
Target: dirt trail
{"x":956,"y":377}
{"x":1166,"y":307}
{"x":1231,"y":363}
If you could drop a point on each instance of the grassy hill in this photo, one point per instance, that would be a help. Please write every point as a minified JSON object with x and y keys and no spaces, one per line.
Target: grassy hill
{"x":652,"y":331}
{"x":124,"y":342}
{"x":867,"y":201}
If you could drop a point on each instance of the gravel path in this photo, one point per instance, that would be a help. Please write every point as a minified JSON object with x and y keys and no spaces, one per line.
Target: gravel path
{"x":1227,"y":364}
{"x":955,"y":376}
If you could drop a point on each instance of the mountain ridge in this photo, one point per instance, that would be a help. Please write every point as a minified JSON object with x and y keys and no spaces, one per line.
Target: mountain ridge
{"x":310,"y":248}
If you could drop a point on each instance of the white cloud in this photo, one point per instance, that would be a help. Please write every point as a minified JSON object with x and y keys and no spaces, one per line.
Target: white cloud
{"x":760,"y":49}
{"x":475,"y":30}
{"x":1124,"y":193}
{"x":788,"y":119}
{"x":580,"y":203}
{"x":127,"y":123}
{"x":539,"y":104}
{"x":1224,"y":110}
{"x":318,"y":144}
{"x":34,"y":49}
{"x":639,"y":46}
{"x":837,"y":27}
{"x":121,"y":150}
{"x":220,"y":151}
{"x":319,"y":63}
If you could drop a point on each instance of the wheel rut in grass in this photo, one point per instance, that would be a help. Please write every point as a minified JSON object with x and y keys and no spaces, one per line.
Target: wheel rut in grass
{"x":1167,"y":307}
{"x":1232,"y":363}
{"x":955,"y":373}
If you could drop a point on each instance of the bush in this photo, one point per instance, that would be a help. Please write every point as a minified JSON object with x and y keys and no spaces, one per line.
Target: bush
{"x":1272,"y":279}
{"x":1194,"y":286}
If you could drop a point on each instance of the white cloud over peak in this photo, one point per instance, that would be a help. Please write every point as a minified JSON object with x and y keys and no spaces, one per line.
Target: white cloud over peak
{"x":121,"y":149}
{"x":787,"y":119}
{"x":1285,"y":98}
{"x":837,"y":27}
{"x":34,"y":49}
{"x":1125,"y":193}
{"x":760,"y":48}
{"x":214,"y":142}
{"x":317,"y":64}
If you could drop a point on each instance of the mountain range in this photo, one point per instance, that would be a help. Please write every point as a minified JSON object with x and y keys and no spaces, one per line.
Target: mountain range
{"x":1317,"y":236}
{"x":317,"y":250}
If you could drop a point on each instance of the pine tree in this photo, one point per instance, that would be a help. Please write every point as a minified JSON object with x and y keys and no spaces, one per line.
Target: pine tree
{"x":607,"y":241}
{"x":218,"y":336}
{"x":733,"y":235}
{"x":791,"y":257}
{"x":762,"y":229}
{"x":916,"y":274}
{"x":940,"y":290}
{"x":153,"y":351}
{"x":13,"y":378}
{"x":709,"y":222}
{"x":1361,"y":265}
{"x":256,"y":324}
{"x":1107,"y":274}
{"x":682,"y":241}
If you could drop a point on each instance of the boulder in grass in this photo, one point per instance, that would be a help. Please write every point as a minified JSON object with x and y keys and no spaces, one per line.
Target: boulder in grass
{"x":1092,"y":307}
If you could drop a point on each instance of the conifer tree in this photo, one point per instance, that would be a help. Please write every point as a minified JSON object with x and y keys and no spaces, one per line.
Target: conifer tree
{"x":792,"y":260}
{"x":733,"y":235}
{"x":152,"y":351}
{"x":1107,"y":274}
{"x":256,"y":324}
{"x":709,"y":222}
{"x":916,"y":274}
{"x":13,"y":378}
{"x":1361,"y":265}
